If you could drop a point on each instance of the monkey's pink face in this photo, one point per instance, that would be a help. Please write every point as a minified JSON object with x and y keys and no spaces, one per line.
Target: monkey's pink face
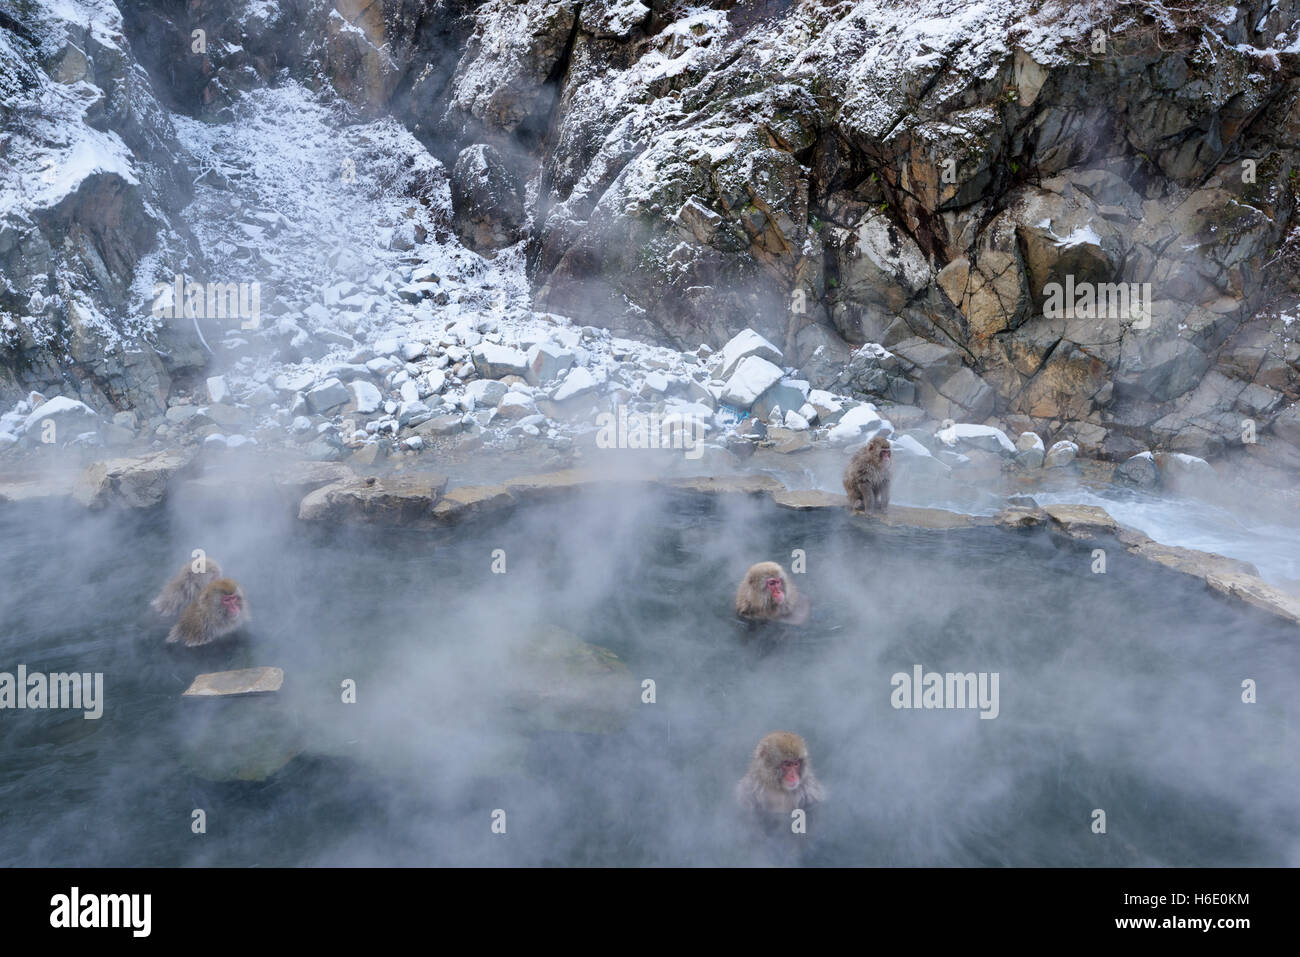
{"x":776,"y":588}
{"x":231,"y":605}
{"x":791,"y":773}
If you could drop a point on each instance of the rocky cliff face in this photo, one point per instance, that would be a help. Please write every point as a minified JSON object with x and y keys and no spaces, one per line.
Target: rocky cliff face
{"x":924,"y":177}
{"x":1074,"y":217}
{"x":89,"y":170}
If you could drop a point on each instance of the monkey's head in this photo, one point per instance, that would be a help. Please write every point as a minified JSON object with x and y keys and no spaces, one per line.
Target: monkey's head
{"x":768,"y":579}
{"x":784,"y":757}
{"x":879,"y":449}
{"x":225,"y":596}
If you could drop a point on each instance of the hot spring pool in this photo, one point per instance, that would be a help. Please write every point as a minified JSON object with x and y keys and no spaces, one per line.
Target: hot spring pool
{"x":1118,"y":691}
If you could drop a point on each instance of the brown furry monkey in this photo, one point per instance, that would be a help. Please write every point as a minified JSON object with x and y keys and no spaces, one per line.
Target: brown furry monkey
{"x":866,"y":480}
{"x":220,"y":609}
{"x":184,"y":587}
{"x":767,"y":594}
{"x":780,"y":777}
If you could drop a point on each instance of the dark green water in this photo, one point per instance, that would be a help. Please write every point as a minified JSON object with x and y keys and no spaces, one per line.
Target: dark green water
{"x":1119,"y":691}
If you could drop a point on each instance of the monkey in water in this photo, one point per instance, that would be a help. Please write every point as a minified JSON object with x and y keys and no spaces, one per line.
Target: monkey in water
{"x":866,"y":480}
{"x":780,"y":777}
{"x":767,"y":594}
{"x":220,"y":609}
{"x":177,"y":594}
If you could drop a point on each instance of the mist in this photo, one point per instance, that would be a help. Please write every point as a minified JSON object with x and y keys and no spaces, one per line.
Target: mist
{"x":1119,"y":691}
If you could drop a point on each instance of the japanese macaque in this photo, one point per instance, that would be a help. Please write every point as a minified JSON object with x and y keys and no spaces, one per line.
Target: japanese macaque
{"x":220,"y":609}
{"x":780,"y":777}
{"x":866,"y":480}
{"x":184,"y":588}
{"x":767,"y":594}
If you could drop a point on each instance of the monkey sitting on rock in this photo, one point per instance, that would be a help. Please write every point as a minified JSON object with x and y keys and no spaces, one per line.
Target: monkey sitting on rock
{"x":867,"y":478}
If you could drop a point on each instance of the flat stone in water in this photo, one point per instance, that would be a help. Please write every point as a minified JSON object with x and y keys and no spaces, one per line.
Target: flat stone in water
{"x":244,"y":681}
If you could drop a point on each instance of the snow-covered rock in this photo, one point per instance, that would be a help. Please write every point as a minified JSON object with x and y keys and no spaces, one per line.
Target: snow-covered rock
{"x":1029,"y":450}
{"x":327,"y":396}
{"x":1139,"y":469}
{"x":743,"y":344}
{"x":496,"y":362}
{"x":753,"y":376}
{"x":547,"y":361}
{"x":1061,"y":454}
{"x":367,"y":397}
{"x":578,"y":381}
{"x":484,"y":392}
{"x":983,"y":437}
{"x":516,"y":405}
{"x":218,"y":391}
{"x":69,"y":417}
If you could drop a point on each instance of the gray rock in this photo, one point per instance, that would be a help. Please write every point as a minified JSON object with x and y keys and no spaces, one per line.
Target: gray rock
{"x":367,"y":398}
{"x":228,"y":416}
{"x":1139,"y":470}
{"x":547,"y":361}
{"x":61,"y":419}
{"x":486,"y":392}
{"x":753,"y":376}
{"x":742,"y":345}
{"x":492,"y":361}
{"x":138,"y":482}
{"x":327,"y":396}
{"x":1029,"y":451}
{"x":487,"y":200}
{"x":1061,"y":455}
{"x":789,"y":394}
{"x":440,"y":425}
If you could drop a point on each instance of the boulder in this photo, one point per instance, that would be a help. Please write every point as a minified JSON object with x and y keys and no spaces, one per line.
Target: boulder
{"x":493,"y":361}
{"x":1029,"y":450}
{"x":137,"y":482}
{"x":327,"y":396}
{"x":487,"y":200}
{"x":1139,"y":470}
{"x":1061,"y":455}
{"x":367,"y":398}
{"x":547,"y":361}
{"x":741,"y":346}
{"x":752,"y":377}
{"x":60,"y":420}
{"x":986,"y":438}
{"x":404,"y":499}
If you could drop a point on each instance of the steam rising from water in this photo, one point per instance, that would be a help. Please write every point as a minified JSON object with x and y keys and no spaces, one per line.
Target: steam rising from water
{"x":1118,"y":691}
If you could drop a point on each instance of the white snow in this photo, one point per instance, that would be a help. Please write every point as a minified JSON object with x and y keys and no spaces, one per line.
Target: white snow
{"x":745,"y":343}
{"x":972,"y":434}
{"x":754,"y":375}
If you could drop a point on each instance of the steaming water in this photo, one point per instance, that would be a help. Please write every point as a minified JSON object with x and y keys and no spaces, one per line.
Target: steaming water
{"x":1119,"y":691}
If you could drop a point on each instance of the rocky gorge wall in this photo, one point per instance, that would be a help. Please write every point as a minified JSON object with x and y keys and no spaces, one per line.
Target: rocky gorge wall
{"x":932,"y":177}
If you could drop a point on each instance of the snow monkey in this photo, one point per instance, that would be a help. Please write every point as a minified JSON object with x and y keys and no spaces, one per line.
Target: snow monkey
{"x":866,"y":480}
{"x":184,"y":588}
{"x":780,"y":777}
{"x":220,"y":609}
{"x":767,"y":594}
